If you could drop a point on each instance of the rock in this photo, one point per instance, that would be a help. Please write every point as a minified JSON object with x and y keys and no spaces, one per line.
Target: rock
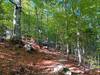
{"x":1,"y":39}
{"x":28,"y":48}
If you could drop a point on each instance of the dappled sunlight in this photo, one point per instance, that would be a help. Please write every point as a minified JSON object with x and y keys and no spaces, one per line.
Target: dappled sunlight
{"x":76,"y":70}
{"x":69,"y":65}
{"x":43,"y":61}
{"x":50,"y":52}
{"x":47,"y":62}
{"x":49,"y":37}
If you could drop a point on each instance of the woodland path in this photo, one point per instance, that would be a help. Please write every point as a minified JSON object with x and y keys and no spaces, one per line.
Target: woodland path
{"x":40,"y":62}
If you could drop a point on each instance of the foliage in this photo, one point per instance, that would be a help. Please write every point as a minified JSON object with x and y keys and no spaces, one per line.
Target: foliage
{"x":59,"y":20}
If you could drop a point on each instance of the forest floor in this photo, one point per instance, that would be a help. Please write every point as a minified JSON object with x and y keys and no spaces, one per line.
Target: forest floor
{"x":16,"y":61}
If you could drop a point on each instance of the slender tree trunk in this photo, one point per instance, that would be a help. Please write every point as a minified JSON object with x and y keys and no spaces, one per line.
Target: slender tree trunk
{"x":16,"y":22}
{"x":37,"y":22}
{"x":78,"y":49}
{"x":17,"y":27}
{"x":67,"y":44}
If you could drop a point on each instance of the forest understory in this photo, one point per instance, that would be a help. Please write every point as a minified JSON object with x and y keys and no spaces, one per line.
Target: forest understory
{"x":54,"y":37}
{"x":16,"y":61}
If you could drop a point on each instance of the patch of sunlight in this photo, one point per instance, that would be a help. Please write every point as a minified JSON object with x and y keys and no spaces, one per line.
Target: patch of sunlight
{"x":48,"y":62}
{"x":92,"y":6}
{"x":73,"y":68}
{"x":98,"y":13}
{"x":58,"y":68}
{"x":76,"y":70}
{"x":68,"y":73}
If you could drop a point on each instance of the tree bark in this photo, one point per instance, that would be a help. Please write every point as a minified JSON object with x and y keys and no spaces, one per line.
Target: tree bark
{"x":78,"y":49}
{"x":16,"y":20}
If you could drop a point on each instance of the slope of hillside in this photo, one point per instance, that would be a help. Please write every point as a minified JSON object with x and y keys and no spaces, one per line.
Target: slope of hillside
{"x":16,"y":61}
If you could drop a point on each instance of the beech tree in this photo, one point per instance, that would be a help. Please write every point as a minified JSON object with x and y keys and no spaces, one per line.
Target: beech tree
{"x":72,"y":24}
{"x":16,"y":20}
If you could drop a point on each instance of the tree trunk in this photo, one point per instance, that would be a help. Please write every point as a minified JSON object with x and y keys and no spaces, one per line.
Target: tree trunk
{"x":16,"y":20}
{"x":78,"y":49}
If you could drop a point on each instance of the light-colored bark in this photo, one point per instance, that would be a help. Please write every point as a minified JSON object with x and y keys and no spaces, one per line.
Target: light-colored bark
{"x":16,"y":20}
{"x":67,"y":49}
{"x":17,"y":26}
{"x":78,"y":49}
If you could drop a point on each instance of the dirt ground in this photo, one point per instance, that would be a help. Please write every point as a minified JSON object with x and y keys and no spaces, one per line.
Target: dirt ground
{"x":16,"y":61}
